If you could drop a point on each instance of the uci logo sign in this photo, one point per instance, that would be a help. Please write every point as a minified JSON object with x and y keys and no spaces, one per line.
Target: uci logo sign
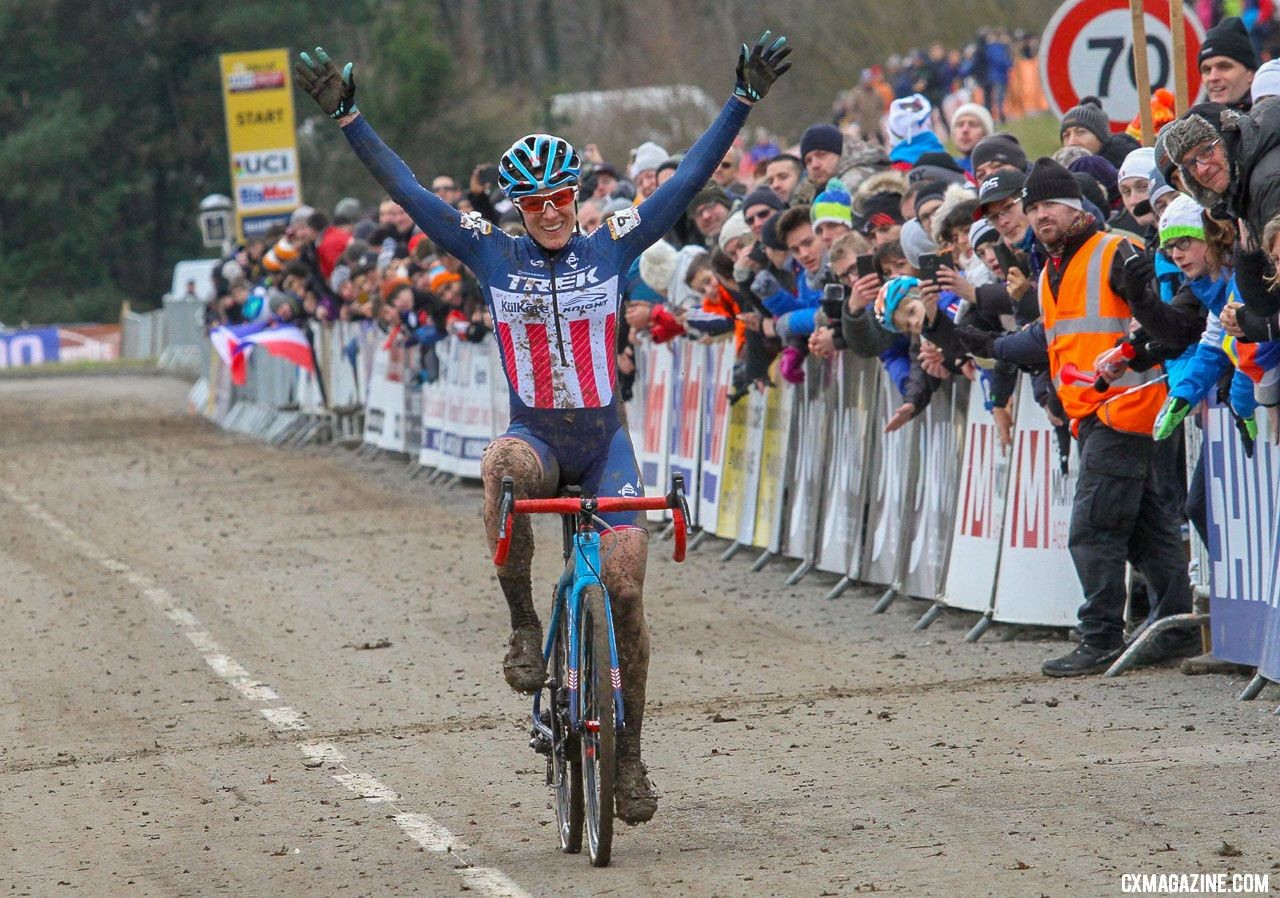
{"x":264,"y":164}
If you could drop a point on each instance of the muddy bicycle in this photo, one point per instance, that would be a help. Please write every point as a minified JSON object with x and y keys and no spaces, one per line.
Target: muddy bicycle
{"x":578,"y":714}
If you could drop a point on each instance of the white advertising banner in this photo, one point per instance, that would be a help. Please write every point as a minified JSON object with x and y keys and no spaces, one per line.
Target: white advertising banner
{"x":1037,"y":583}
{"x":717,"y":378}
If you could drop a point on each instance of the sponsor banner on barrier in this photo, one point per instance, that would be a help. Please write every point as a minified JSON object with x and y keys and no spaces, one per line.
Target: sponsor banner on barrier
{"x":635,"y":406}
{"x":34,"y":346}
{"x":890,"y":493}
{"x":468,"y":409}
{"x":940,"y":437}
{"x":384,"y":409}
{"x":1242,"y":494}
{"x":853,"y":395}
{"x":684,"y":438}
{"x":807,"y":463}
{"x":716,"y":384}
{"x":773,"y":467}
{"x":1037,"y":582}
{"x":757,"y":403}
{"x":729,"y":506}
{"x":433,"y":401}
{"x":978,"y":526}
{"x":652,"y":450}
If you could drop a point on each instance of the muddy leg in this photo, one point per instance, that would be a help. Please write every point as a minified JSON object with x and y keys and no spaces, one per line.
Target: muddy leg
{"x":510,"y":457}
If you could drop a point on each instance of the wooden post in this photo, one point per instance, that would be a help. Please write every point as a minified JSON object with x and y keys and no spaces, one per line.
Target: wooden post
{"x":1179,"y":50}
{"x":1141,"y":75}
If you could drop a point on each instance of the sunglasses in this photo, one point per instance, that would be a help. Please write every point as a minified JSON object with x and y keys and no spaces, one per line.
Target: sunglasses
{"x":726,"y":164}
{"x":537,"y":203}
{"x":762,"y":215}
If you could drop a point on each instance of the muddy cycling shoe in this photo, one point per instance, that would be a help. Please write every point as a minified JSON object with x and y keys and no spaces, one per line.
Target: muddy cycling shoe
{"x":523,"y":666}
{"x":634,"y":798}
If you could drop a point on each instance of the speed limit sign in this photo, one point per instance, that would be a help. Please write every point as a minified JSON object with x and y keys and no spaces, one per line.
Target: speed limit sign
{"x":1087,"y":50}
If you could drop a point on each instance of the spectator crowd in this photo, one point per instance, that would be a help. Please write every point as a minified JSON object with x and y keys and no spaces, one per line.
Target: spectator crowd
{"x":1128,"y":282}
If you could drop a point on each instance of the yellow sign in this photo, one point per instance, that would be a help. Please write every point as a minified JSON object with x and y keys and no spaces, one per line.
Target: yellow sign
{"x":261,"y":139}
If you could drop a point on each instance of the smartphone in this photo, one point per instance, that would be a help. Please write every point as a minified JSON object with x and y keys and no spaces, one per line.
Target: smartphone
{"x":1008,"y":259}
{"x":948,"y":260}
{"x":929,"y":264}
{"x":866,"y":265}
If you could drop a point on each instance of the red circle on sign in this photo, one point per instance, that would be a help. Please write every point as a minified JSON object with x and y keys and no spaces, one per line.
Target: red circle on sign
{"x":1072,"y":17}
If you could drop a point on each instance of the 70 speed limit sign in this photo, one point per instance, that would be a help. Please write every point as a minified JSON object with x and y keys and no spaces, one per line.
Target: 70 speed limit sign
{"x":1087,"y":50}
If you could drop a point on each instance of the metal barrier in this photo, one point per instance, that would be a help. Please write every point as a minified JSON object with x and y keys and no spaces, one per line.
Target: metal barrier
{"x":184,"y":334}
{"x":141,"y":334}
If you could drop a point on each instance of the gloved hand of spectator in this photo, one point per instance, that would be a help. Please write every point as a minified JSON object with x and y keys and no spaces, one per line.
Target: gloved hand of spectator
{"x":765,"y":284}
{"x":760,"y":67}
{"x":335,"y":94}
{"x":1248,"y":430}
{"x":1170,"y":416}
{"x":1139,"y":271}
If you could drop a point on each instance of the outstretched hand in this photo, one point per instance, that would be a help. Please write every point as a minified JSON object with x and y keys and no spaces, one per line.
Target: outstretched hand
{"x":759,"y":67}
{"x":334,"y":93}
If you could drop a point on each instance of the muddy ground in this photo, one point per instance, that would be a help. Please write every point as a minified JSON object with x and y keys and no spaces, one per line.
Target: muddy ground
{"x":802,"y":747}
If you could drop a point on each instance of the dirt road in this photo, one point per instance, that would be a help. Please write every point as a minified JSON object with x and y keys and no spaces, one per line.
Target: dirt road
{"x":233,"y":669}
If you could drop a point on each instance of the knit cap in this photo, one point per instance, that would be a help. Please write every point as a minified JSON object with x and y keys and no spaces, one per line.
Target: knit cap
{"x":908,"y":116}
{"x":734,"y":226}
{"x":915,"y":242}
{"x":974,"y":110}
{"x":1184,"y":217}
{"x":1229,"y":38}
{"x":821,"y":137}
{"x":1266,"y":81}
{"x":1002,"y":148}
{"x":657,"y":266}
{"x":1138,"y":164}
{"x":895,"y":292}
{"x":1050,"y":182}
{"x":648,"y":156}
{"x":1087,"y":115}
{"x":831,"y":205}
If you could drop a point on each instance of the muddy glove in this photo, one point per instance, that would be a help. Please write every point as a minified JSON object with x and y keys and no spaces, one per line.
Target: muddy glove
{"x":1248,"y":430}
{"x":1171,"y":415}
{"x":335,"y":94}
{"x":759,"y":68}
{"x":765,"y":285}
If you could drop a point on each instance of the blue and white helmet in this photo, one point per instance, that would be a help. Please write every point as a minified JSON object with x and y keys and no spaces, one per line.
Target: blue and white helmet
{"x":538,"y":162}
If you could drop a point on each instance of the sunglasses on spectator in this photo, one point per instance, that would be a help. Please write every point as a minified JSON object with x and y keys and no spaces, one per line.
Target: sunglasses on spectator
{"x":538,"y":202}
{"x":1203,"y":156}
{"x":726,"y":164}
{"x":762,"y":215}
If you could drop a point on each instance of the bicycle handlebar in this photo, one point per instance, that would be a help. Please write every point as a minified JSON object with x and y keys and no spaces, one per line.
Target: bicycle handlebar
{"x":574,"y":505}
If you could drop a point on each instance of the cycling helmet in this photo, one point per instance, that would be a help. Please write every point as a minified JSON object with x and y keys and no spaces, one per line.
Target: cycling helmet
{"x":537,"y":162}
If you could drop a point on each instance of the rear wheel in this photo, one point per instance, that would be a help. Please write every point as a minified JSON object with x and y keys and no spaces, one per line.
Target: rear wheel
{"x":565,"y":757}
{"x":599,"y":726}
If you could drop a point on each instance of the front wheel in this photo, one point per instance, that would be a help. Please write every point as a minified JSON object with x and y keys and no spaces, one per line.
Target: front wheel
{"x":565,"y":758}
{"x":599,"y":725}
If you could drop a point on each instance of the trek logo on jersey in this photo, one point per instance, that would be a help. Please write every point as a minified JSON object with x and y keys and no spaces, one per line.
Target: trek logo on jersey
{"x":477,"y":224}
{"x":627,"y":491}
{"x":623,"y":223}
{"x":577,"y":280}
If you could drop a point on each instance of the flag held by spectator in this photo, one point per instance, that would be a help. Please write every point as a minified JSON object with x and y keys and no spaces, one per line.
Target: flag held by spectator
{"x":234,"y":343}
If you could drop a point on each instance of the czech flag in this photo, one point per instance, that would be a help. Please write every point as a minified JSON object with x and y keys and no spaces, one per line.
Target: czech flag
{"x":234,"y":343}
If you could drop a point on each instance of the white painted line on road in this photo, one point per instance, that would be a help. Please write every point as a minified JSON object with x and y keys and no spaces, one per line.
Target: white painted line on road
{"x":427,"y":832}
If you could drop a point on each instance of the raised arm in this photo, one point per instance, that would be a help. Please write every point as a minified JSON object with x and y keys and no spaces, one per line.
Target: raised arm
{"x":756,"y":72}
{"x":335,"y":95}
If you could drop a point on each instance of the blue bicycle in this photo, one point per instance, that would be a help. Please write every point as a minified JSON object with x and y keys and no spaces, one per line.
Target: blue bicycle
{"x":577,"y":722}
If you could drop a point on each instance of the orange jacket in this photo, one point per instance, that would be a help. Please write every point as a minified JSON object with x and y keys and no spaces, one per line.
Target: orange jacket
{"x":1085,"y":319}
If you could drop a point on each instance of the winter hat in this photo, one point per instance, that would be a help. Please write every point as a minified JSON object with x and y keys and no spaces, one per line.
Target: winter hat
{"x":981,"y":232}
{"x":895,"y":292}
{"x":1158,"y":187}
{"x":347,"y":211}
{"x":821,"y":137}
{"x":831,"y":205}
{"x":1102,"y":172}
{"x":300,"y":215}
{"x":1198,"y":124}
{"x":1091,"y":191}
{"x":615,"y":204}
{"x":1229,"y":38}
{"x":1138,"y":164}
{"x":1050,"y":182}
{"x":930,"y":190}
{"x":1002,"y":148}
{"x":1184,"y":217}
{"x":1266,"y":81}
{"x":441,"y":277}
{"x":734,"y":226}
{"x":1000,"y":186}
{"x":1163,"y":111}
{"x":647,"y":157}
{"x":936,"y":167}
{"x":1087,"y":115}
{"x":712,"y":193}
{"x":657,"y":265}
{"x":672,"y":162}
{"x":907,"y":117}
{"x":769,"y":234}
{"x":974,"y":110}
{"x":915,"y":242}
{"x":763,"y":196}
{"x":881,"y":210}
